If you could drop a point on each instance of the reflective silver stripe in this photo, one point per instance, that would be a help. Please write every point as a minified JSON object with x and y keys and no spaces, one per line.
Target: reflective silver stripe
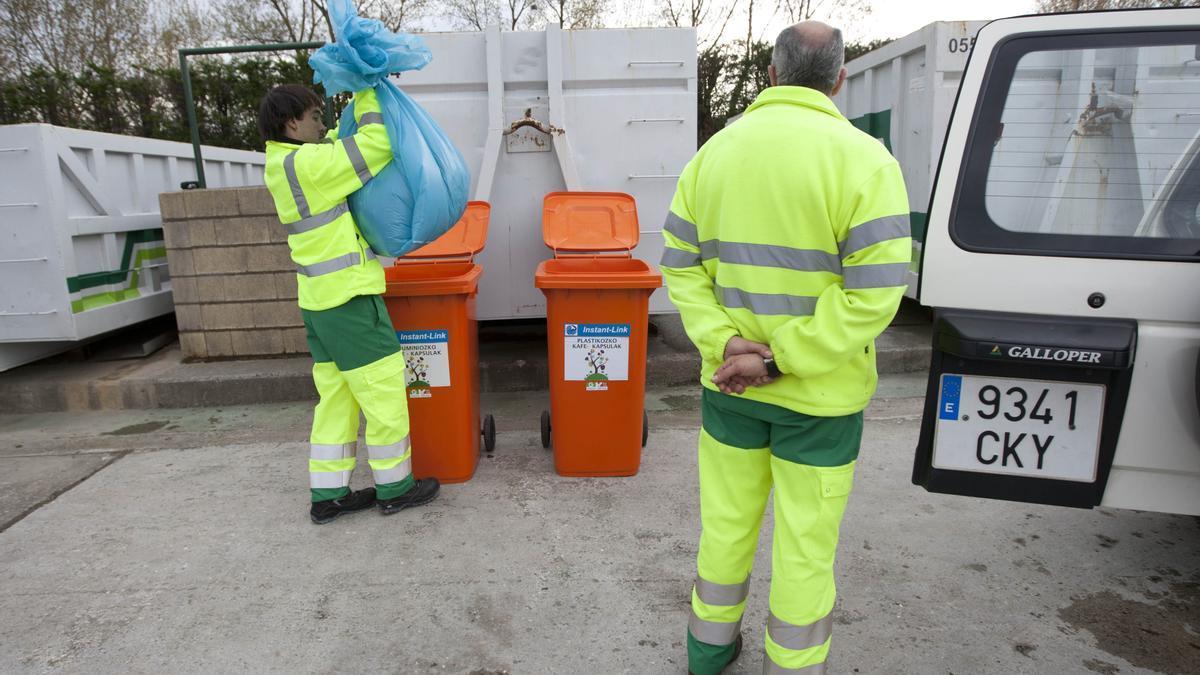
{"x":765,"y":304}
{"x":791,"y":636}
{"x":321,"y":219}
{"x":673,"y":257}
{"x":766,"y":255}
{"x":681,"y":229}
{"x":721,"y":595}
{"x":289,"y":168}
{"x":328,"y":479}
{"x":333,"y":265}
{"x":771,"y":668}
{"x":370,"y":118}
{"x":876,"y":276}
{"x":321,"y":451}
{"x":393,"y":475}
{"x":391,"y":450}
{"x":712,"y":632}
{"x":874,"y":231}
{"x":356,"y":158}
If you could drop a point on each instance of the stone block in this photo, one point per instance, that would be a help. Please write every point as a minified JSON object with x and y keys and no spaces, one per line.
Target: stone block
{"x":277,"y":232}
{"x":193,"y":346}
{"x":180,"y":263}
{"x":278,"y":314}
{"x":219,"y":343}
{"x":210,"y":289}
{"x":245,"y":287}
{"x":241,"y":231}
{"x":172,"y":205}
{"x":285,"y":286}
{"x":228,"y":260}
{"x":294,"y":341}
{"x":269,"y":258}
{"x":255,"y":201}
{"x":188,"y":318}
{"x":257,"y":342}
{"x":201,"y":232}
{"x":183,"y":290}
{"x":174,"y":234}
{"x":210,"y":203}
{"x":229,"y":315}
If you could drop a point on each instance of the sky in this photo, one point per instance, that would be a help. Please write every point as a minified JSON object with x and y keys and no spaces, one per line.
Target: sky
{"x":897,"y":18}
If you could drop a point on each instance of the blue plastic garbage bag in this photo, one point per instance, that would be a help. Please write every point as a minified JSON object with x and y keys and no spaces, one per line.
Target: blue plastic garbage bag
{"x":422,"y":192}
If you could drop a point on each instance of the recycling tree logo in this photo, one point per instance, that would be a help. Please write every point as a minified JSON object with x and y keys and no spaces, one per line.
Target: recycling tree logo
{"x":417,"y":371}
{"x":596,"y":361}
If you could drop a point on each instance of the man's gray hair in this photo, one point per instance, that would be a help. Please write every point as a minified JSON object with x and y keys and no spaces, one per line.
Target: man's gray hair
{"x":809,"y":54}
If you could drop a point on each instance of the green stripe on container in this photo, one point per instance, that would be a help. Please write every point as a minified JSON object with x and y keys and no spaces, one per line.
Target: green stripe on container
{"x":128,"y":293}
{"x":918,"y":223}
{"x":103,"y":299}
{"x":877,"y":124}
{"x":132,"y":239}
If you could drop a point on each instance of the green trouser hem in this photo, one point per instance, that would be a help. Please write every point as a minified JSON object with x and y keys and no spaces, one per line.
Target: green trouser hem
{"x":393,"y":490}
{"x":325,"y":494}
{"x":706,"y":659}
{"x":791,"y":436}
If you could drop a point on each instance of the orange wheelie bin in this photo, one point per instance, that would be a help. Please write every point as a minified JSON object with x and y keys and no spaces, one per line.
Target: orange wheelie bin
{"x":597,"y":306}
{"x":431,"y":299}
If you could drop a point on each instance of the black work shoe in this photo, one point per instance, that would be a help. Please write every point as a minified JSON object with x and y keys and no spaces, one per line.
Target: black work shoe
{"x":422,"y":492}
{"x":328,"y":511}
{"x":737,"y":651}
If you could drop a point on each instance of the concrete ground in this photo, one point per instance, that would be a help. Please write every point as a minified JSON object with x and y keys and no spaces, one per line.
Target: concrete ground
{"x":178,"y":541}
{"x":512,"y":357}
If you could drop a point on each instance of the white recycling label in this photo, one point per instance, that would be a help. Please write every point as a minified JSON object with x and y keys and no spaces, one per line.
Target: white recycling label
{"x":426,"y":358}
{"x":596,"y":353}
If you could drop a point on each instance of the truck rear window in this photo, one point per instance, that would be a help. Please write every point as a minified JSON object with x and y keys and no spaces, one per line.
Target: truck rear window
{"x":1086,"y":144}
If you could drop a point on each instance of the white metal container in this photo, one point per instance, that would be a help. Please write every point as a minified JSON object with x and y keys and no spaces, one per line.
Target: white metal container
{"x":81,"y":244}
{"x":903,"y":94}
{"x":622,"y":104}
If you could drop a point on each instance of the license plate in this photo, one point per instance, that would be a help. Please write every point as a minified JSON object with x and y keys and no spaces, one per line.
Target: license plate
{"x":1017,"y":427}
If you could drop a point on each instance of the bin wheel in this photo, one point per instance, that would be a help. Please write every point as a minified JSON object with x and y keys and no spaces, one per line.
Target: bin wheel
{"x":546,"y":429}
{"x":489,"y":433}
{"x":645,"y":428}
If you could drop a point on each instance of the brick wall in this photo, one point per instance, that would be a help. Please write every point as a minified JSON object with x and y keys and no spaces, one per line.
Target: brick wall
{"x":234,"y":282}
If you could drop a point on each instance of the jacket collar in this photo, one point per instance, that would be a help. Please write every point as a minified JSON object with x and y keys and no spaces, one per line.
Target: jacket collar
{"x":292,"y":144}
{"x":281,"y":145}
{"x":800,"y":96}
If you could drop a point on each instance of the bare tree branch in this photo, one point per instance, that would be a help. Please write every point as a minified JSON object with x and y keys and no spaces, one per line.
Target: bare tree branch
{"x":1058,"y":6}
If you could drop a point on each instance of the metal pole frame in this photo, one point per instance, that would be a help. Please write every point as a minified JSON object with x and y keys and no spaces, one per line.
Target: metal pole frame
{"x":189,"y":101}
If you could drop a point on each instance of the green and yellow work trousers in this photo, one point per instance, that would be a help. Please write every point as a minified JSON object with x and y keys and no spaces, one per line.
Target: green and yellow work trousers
{"x":746,"y":448}
{"x":358,"y":366}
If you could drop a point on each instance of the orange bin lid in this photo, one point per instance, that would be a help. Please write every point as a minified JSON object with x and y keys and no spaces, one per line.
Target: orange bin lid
{"x":596,"y":274}
{"x":589,"y":221}
{"x":461,"y":242}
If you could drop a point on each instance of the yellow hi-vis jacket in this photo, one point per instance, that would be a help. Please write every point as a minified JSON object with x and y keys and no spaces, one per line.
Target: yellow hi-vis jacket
{"x":790,"y":227}
{"x":309,"y":183}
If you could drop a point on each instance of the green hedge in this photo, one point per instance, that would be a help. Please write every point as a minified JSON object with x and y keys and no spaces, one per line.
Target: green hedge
{"x":149,"y":102}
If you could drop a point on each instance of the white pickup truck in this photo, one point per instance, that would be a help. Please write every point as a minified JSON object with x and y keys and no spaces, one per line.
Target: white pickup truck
{"x":1062,"y":261}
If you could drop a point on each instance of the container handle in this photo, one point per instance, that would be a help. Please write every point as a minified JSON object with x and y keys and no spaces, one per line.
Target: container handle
{"x":434,"y":259}
{"x":623,"y":253}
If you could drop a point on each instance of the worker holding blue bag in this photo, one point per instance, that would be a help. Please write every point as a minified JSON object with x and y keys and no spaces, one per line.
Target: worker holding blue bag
{"x":319,"y":183}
